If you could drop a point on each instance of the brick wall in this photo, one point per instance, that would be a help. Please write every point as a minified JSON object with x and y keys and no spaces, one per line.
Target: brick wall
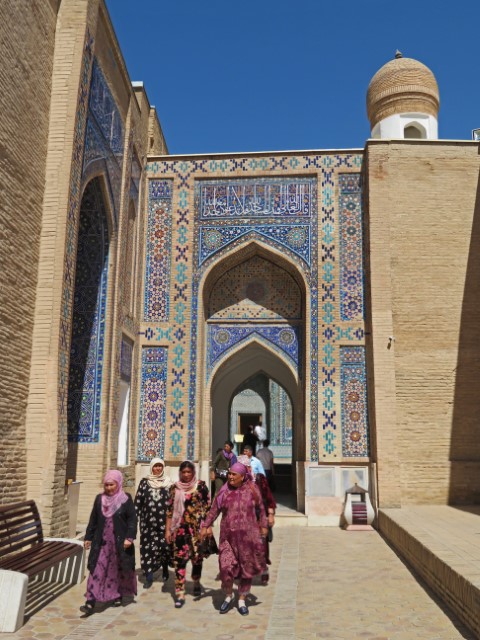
{"x":424,"y":224}
{"x":27,"y":35}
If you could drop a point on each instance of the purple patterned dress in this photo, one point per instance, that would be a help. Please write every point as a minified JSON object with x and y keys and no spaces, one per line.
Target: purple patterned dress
{"x":109,"y":581}
{"x":241,"y":548}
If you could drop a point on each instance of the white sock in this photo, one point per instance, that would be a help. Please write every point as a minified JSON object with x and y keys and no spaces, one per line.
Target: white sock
{"x":241,"y":602}
{"x":228,"y":598}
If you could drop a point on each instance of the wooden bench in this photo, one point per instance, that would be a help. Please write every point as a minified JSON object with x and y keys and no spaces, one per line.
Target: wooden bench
{"x":26,"y":554}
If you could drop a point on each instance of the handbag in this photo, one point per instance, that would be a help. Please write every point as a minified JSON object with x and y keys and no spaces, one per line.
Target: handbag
{"x":221,"y":473}
{"x":208,"y":547}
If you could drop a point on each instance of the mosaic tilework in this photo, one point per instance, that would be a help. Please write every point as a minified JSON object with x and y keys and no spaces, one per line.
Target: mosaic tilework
{"x":255,"y":289}
{"x":354,"y":402}
{"x":222,"y":339}
{"x":159,"y":238}
{"x":71,"y":239}
{"x":255,"y":198}
{"x":325,"y":320}
{"x":105,"y":111}
{"x":351,"y":247}
{"x":104,"y":139}
{"x":281,"y":434}
{"x":88,"y":323}
{"x":153,"y":391}
{"x":294,"y":237}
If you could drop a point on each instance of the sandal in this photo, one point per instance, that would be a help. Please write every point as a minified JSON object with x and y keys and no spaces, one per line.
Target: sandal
{"x":179,"y":603}
{"x":117,"y":602}
{"x":88,"y":608}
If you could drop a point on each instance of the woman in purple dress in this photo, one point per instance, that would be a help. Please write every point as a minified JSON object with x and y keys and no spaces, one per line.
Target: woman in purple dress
{"x":242,"y":532}
{"x":110,"y":533}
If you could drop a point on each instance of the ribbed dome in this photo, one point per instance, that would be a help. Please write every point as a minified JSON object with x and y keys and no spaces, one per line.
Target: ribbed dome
{"x":402,"y":85}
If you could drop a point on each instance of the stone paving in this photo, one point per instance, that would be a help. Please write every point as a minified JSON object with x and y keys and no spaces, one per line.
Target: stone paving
{"x":325,"y":583}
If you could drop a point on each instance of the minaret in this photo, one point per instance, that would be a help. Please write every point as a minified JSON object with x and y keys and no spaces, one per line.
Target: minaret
{"x":403,"y":101}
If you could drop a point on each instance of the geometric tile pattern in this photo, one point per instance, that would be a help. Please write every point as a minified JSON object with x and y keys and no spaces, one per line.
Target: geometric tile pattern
{"x":104,"y":139}
{"x":88,"y":322}
{"x":153,"y":390}
{"x":294,"y":237}
{"x":351,"y":247}
{"x":197,"y":200}
{"x":157,"y":275}
{"x":71,"y":239}
{"x":255,"y":289}
{"x":223,"y":337}
{"x":355,"y":439}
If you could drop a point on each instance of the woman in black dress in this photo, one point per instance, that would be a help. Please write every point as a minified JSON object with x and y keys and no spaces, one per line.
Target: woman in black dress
{"x":151,"y":505}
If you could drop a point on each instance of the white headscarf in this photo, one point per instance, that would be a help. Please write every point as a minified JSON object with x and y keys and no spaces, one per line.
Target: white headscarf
{"x":158,"y":482}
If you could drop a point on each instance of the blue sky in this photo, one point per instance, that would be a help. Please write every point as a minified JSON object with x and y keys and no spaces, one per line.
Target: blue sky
{"x":264,"y":75}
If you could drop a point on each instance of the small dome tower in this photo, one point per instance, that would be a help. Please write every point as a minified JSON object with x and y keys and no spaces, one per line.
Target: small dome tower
{"x":403,"y":100}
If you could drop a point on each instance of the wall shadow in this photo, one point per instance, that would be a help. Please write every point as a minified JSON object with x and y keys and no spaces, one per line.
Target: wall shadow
{"x":465,"y":432}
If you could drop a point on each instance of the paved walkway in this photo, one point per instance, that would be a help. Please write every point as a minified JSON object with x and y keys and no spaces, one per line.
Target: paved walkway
{"x":325,"y":583}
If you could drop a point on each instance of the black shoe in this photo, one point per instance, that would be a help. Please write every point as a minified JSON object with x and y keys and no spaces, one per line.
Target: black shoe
{"x":225,"y":606}
{"x":88,"y":608}
{"x":147,"y":584}
{"x":243,"y":611}
{"x":165,"y":574}
{"x":117,"y":602}
{"x":179,"y":603}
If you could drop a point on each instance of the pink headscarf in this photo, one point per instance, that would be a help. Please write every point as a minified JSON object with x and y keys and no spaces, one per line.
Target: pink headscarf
{"x":182,"y":488}
{"x":245,"y":460}
{"x":110,"y":504}
{"x":240,"y":468}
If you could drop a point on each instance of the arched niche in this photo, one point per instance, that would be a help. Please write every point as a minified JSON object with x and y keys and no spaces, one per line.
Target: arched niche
{"x":231,"y":375}
{"x":87,"y":348}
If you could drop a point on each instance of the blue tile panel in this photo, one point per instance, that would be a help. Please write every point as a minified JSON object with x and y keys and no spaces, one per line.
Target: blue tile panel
{"x":351,"y":247}
{"x":223,"y":338}
{"x":88,"y":322}
{"x":153,"y":391}
{"x":71,"y":238}
{"x":158,"y":250}
{"x":218,"y":211}
{"x":355,"y":437}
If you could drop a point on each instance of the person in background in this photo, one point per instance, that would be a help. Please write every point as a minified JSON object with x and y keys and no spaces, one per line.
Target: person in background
{"x":250,"y":439}
{"x":255,"y":463}
{"x":111,"y":530}
{"x":242,"y":530}
{"x":222,"y":463}
{"x":261,"y":433}
{"x":187,"y":508}
{"x":151,"y":501}
{"x":265,"y":455}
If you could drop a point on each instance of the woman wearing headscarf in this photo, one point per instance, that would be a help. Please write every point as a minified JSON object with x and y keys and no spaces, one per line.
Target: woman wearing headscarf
{"x":188,"y":507}
{"x":269,"y":504}
{"x":151,"y":501}
{"x":222,"y":463}
{"x":242,"y":532}
{"x":110,"y":533}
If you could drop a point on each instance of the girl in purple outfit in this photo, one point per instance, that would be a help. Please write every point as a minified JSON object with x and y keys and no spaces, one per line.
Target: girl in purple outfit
{"x":111,"y":531}
{"x":242,"y":533}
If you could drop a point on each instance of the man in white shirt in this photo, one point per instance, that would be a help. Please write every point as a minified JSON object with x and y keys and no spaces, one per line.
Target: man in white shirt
{"x":261,"y":433}
{"x":265,"y":455}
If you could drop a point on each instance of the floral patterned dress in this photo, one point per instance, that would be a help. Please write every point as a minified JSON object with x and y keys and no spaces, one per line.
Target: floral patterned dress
{"x":187,"y":537}
{"x":151,"y":507}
